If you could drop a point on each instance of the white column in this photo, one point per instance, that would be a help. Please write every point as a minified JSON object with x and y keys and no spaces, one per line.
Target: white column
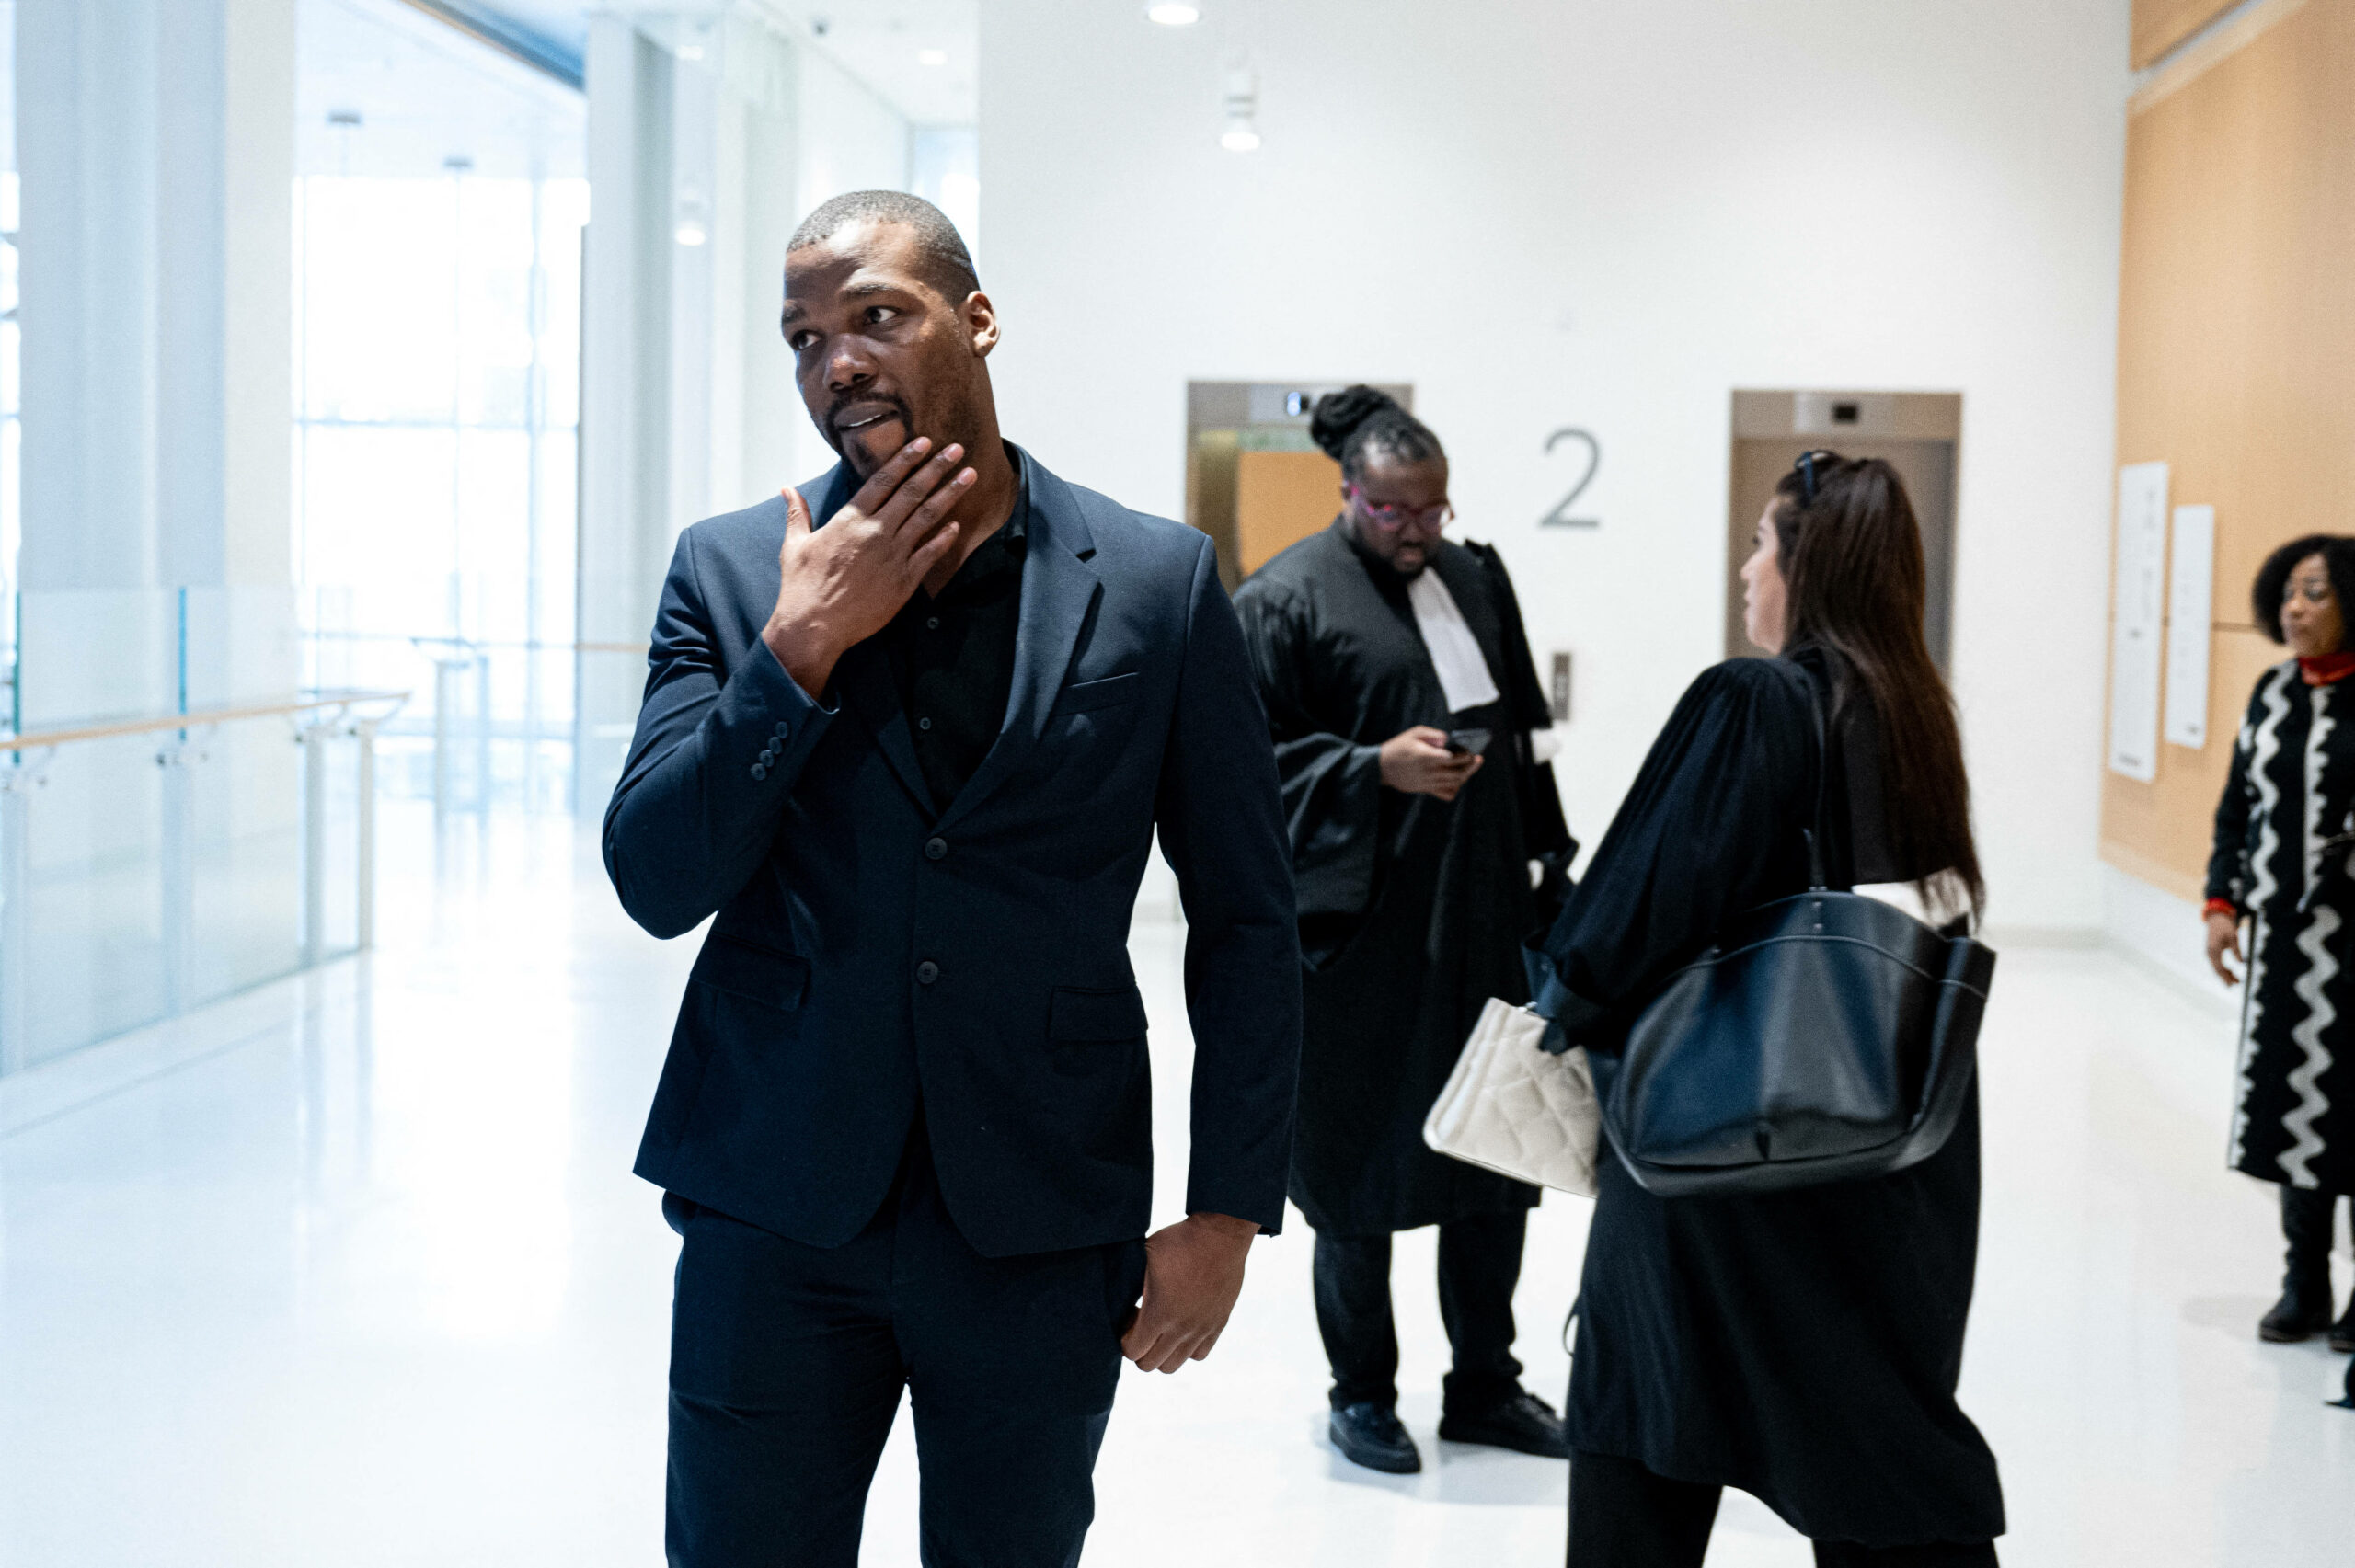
{"x":156,"y":149}
{"x":687,"y":401}
{"x":624,"y":391}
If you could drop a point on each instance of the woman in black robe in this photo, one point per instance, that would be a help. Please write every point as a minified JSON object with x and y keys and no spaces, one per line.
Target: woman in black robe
{"x":1412,"y":873}
{"x":1802,"y":1346}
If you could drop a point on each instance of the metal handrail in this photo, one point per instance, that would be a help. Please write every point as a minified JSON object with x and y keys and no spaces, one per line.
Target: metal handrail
{"x":43,"y":740}
{"x":501,"y":645}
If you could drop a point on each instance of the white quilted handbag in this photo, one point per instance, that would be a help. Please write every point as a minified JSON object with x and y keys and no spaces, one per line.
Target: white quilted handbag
{"x":1512,"y":1108}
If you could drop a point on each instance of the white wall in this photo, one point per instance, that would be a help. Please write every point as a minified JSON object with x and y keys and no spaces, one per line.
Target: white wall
{"x":1547,"y":212}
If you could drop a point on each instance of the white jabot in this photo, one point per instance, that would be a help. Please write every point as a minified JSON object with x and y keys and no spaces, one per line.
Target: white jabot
{"x":1463,"y":675}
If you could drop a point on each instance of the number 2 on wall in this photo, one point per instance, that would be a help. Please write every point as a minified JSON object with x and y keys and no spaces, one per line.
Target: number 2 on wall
{"x":1560,"y":516}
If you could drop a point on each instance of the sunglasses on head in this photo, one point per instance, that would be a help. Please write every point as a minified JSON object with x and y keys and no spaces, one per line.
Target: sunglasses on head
{"x":1805,"y":468}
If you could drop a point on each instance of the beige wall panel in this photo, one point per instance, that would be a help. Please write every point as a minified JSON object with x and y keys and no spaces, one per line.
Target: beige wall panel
{"x":2160,"y":831}
{"x":2160,"y":25}
{"x":2237,"y":357}
{"x":1281,"y":498}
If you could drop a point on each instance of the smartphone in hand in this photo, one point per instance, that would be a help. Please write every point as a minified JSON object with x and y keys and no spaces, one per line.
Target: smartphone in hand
{"x":1468,"y":742}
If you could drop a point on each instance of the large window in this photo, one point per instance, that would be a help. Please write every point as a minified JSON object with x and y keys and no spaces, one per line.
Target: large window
{"x":11,"y":383}
{"x":437,"y":228}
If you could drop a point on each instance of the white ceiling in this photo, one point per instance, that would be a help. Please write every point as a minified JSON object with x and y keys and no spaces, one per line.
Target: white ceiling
{"x":881,"y":43}
{"x":424,"y":93}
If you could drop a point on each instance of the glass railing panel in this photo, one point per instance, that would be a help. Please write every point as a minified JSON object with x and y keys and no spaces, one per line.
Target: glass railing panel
{"x":97,"y":654}
{"x":146,"y":872}
{"x":240,"y":646}
{"x":245,"y":848}
{"x":93,"y":958}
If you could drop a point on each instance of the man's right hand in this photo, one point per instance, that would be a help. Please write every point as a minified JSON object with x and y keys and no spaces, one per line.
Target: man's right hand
{"x":844,"y":582}
{"x":1418,"y":761}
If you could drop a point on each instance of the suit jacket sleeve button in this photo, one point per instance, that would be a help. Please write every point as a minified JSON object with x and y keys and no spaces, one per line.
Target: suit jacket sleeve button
{"x":759,"y":771}
{"x":936,"y":848}
{"x":927,"y":972}
{"x":768,"y":755}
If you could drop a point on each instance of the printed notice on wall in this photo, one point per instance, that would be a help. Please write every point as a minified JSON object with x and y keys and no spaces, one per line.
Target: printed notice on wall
{"x":2191,"y":588}
{"x":2137,"y":608}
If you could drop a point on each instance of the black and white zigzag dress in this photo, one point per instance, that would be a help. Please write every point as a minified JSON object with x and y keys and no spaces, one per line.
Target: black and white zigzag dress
{"x":2285,"y":857}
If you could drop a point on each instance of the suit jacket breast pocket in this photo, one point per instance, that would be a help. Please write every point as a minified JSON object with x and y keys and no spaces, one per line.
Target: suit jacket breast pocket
{"x":1088,"y":695}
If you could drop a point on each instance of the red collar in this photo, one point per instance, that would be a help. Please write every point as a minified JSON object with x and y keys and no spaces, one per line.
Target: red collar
{"x":2328,"y":670}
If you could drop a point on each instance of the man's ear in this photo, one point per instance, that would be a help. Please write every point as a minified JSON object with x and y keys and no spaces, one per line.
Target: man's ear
{"x":981,"y":322}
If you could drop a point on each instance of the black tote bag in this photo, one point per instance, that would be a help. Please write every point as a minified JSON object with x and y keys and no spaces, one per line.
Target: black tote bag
{"x":1823,"y":1038}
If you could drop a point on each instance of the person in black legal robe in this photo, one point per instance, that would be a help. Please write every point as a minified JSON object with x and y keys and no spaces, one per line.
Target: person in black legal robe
{"x":1372,"y":641}
{"x":1803,"y":1345}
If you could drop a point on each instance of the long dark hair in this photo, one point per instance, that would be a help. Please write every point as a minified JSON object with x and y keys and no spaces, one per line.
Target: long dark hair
{"x":2337,"y":553}
{"x":1851,"y":556}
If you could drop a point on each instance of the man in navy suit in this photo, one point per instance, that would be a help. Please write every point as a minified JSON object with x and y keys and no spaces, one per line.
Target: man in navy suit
{"x":909,"y":738}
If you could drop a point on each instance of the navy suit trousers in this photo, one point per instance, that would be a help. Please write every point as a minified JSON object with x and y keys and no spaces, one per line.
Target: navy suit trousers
{"x":787,"y":1360}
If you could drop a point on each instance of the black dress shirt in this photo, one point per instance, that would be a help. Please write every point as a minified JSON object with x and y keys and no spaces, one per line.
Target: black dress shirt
{"x":953,"y":654}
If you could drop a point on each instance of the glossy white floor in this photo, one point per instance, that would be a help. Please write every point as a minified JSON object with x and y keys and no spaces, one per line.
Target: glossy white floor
{"x":357,"y":1276}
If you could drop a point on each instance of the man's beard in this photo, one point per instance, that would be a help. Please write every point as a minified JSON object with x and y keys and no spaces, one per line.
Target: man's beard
{"x":842,"y":447}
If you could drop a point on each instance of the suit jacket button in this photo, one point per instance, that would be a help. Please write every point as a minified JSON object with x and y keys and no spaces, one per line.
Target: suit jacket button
{"x":936,"y":848}
{"x":782,"y":729}
{"x":927,"y":972}
{"x":759,"y":771}
{"x":768,"y":755}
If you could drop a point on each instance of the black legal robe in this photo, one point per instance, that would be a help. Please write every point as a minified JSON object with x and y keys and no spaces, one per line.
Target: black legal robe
{"x":1801,"y":1345}
{"x":1412,"y":909}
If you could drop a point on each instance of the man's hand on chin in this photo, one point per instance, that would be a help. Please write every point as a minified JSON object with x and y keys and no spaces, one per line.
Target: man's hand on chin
{"x":1193,"y":1271}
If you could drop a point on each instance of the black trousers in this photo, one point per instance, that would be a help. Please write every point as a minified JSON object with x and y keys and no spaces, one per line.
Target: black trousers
{"x":1622,"y":1516}
{"x":787,"y":1363}
{"x":1479,"y":1263}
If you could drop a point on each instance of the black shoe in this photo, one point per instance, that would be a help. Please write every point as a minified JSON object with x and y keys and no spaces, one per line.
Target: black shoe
{"x":2303,"y":1310}
{"x":1370,"y":1434}
{"x":2297,"y":1317}
{"x":1521,"y":1422}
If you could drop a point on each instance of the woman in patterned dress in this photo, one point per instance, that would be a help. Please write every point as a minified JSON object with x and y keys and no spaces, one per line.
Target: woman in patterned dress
{"x":2284,"y":863}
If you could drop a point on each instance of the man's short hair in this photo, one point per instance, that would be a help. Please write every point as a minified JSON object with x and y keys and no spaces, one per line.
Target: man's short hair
{"x":946,"y":264}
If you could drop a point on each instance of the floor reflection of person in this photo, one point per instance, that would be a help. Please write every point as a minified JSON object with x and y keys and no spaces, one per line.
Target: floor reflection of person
{"x":1802,"y":1346}
{"x":1374,"y":641}
{"x":2285,"y":864}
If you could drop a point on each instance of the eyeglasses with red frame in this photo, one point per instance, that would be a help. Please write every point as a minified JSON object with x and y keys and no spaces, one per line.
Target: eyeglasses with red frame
{"x":1386,"y":517}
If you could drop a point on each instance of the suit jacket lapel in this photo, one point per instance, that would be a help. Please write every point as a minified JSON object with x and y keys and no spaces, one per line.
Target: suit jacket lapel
{"x":1058,"y":591}
{"x":863,"y":680}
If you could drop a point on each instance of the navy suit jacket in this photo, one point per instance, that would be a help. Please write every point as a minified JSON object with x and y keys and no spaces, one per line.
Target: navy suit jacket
{"x":870,"y":950}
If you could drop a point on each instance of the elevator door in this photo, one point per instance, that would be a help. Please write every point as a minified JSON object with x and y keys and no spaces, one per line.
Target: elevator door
{"x":1255,"y":482}
{"x":1915,"y":432}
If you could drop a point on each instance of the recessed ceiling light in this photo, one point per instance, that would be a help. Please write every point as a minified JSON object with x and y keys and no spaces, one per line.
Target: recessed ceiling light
{"x":691,"y":51}
{"x":1173,"y":12}
{"x":932,"y":57}
{"x":1239,"y":137}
